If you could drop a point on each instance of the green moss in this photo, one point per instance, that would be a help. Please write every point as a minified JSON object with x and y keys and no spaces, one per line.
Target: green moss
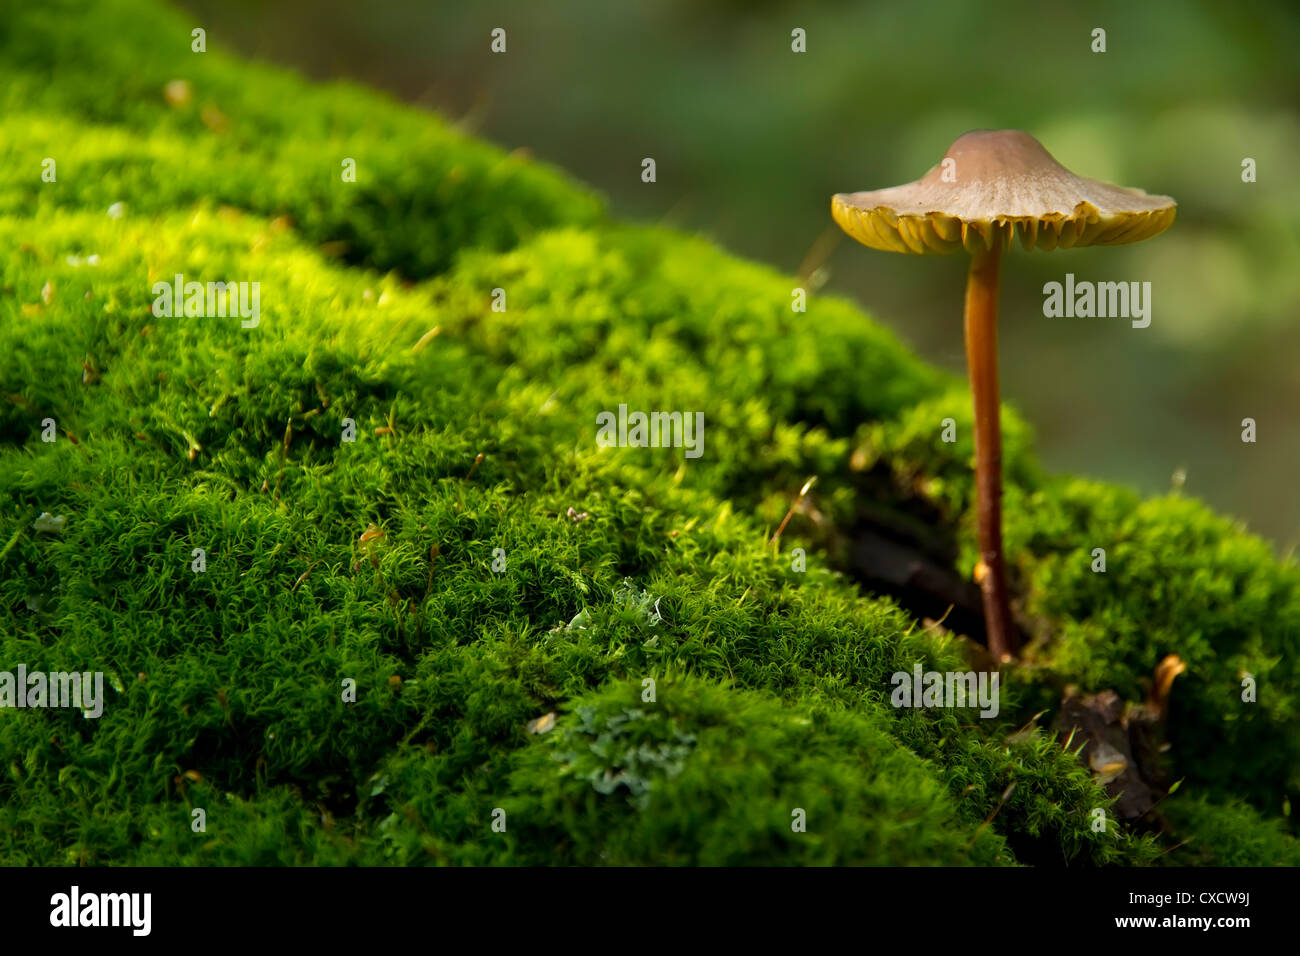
{"x":712,"y":775}
{"x":1228,"y":834}
{"x":253,"y":137}
{"x":772,"y":684}
{"x":1178,"y":580}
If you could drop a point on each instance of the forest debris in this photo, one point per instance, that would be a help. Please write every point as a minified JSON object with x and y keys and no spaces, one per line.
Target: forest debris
{"x":1099,"y":722}
{"x":1121,"y":742}
{"x":542,"y":724}
{"x":803,"y":493}
{"x":367,"y":542}
{"x":49,"y":524}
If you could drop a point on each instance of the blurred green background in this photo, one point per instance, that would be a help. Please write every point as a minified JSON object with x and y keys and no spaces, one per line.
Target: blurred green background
{"x":751,"y":139}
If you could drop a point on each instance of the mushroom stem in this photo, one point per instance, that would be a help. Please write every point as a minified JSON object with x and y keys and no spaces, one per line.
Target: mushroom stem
{"x":982,"y":361}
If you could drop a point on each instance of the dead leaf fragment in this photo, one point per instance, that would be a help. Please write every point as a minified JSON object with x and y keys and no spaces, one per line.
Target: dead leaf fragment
{"x":367,"y":541}
{"x":1106,"y":762}
{"x":542,"y":724}
{"x":49,"y":524}
{"x":178,"y":93}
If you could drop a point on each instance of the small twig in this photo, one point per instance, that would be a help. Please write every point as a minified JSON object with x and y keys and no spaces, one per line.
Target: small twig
{"x":302,"y":577}
{"x":803,"y":492}
{"x":818,"y":253}
{"x":389,"y":429}
{"x":935,"y":625}
{"x":284,"y":452}
{"x":1033,"y":720}
{"x":1174,"y":847}
{"x":1165,"y":796}
{"x":426,"y":338}
{"x":1006,"y":794}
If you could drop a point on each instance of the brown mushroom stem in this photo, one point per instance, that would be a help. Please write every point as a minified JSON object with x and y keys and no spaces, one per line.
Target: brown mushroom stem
{"x":982,"y":361}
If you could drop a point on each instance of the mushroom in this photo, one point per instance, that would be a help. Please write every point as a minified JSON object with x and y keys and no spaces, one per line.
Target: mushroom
{"x":991,"y":186}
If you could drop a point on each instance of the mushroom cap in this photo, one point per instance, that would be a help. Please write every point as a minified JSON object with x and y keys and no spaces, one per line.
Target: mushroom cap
{"x":1006,"y":184}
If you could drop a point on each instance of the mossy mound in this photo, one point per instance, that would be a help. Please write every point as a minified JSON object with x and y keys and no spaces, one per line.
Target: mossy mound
{"x":511,"y":568}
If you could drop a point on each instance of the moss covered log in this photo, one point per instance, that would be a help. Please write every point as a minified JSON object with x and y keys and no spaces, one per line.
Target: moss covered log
{"x":518,"y":584}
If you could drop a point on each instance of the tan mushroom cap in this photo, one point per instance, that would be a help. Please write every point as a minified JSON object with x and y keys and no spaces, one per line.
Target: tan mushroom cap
{"x":1006,"y":184}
